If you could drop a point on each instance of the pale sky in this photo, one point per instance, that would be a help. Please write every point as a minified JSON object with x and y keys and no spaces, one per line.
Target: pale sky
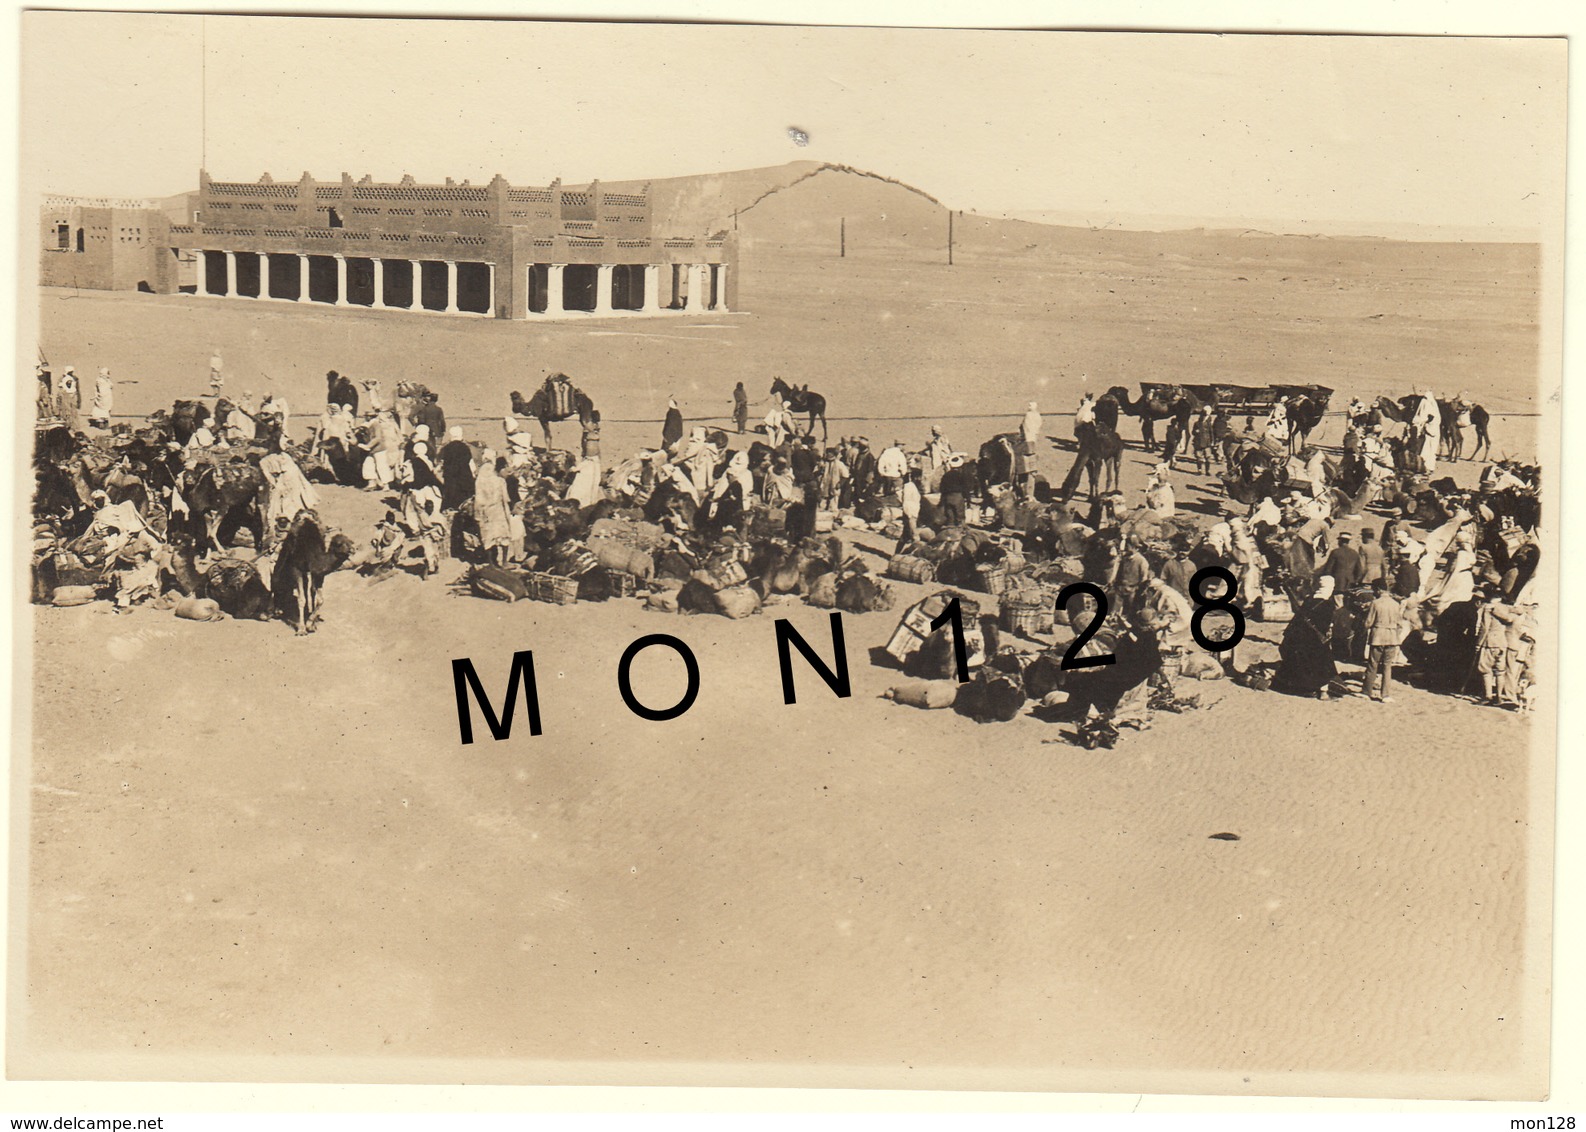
{"x":1463,"y":133}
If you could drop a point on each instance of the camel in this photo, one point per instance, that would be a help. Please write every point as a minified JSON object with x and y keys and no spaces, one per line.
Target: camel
{"x":1351,"y":491}
{"x":1170,"y":401}
{"x":1305,"y":414}
{"x":803,"y":401}
{"x":220,"y":496}
{"x":1252,"y":476}
{"x":996,"y":463}
{"x":1099,"y":458}
{"x":307,"y":554}
{"x":1107,"y":411}
{"x":557,"y":400}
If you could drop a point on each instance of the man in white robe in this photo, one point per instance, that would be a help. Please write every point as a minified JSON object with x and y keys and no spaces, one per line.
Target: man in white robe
{"x":1428,"y":424}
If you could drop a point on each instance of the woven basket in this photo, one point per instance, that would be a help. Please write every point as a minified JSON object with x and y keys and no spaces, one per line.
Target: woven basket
{"x":908,"y":568}
{"x":1028,"y":612}
{"x":620,"y":583}
{"x":992,"y":578}
{"x":552,"y":588}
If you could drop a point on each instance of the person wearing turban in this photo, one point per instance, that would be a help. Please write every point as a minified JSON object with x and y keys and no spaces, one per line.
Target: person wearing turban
{"x":104,"y":399}
{"x":520,"y":445}
{"x":731,"y":493}
{"x":493,"y":508}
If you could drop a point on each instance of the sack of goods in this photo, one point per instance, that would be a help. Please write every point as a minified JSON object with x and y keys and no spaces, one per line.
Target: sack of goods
{"x":623,"y":557}
{"x":199,"y":609}
{"x":662,"y":601}
{"x":1274,"y":606}
{"x":75,"y":595}
{"x":910,"y":568}
{"x":860,"y":593}
{"x":737,"y":602}
{"x":924,"y":693}
{"x":721,"y":575}
{"x":645,"y":536}
{"x":490,"y":581}
{"x":993,"y":696}
{"x":1011,"y":554}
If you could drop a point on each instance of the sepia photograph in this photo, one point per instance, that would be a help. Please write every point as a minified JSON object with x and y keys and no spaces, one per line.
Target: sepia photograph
{"x":800,"y":556}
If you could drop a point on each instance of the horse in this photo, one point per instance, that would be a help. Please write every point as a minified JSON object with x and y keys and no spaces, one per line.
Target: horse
{"x":1451,"y":440}
{"x":803,"y":401}
{"x":544,"y":408}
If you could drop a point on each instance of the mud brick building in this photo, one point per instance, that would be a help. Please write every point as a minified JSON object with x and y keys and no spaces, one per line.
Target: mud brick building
{"x":495,"y":250}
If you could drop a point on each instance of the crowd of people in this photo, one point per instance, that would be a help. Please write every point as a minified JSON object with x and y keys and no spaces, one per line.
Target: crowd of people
{"x":704,"y":521}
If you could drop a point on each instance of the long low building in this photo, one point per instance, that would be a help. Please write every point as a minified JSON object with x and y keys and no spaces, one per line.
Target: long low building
{"x":461,"y":249}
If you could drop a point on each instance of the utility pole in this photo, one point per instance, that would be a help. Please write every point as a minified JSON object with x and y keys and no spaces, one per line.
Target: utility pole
{"x":949,"y":237}
{"x":842,"y":238}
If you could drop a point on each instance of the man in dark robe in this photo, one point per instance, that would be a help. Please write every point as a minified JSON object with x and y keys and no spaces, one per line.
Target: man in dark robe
{"x":1305,"y":665}
{"x":1179,"y":570}
{"x":1133,"y":573}
{"x":672,"y":428}
{"x":740,"y":407}
{"x":958,"y":484}
{"x":806,"y":465}
{"x":457,"y":471}
{"x":862,"y":471}
{"x":340,"y":390}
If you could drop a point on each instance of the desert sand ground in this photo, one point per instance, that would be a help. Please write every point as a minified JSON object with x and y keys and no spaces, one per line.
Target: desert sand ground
{"x":246,"y":842}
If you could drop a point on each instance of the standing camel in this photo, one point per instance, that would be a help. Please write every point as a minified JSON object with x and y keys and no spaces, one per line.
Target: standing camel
{"x":1099,"y":458}
{"x":1305,"y":414}
{"x":557,"y":400}
{"x":1173,"y":401}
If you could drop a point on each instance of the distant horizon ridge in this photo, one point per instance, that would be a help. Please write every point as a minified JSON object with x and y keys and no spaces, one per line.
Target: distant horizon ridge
{"x":1163,"y":223}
